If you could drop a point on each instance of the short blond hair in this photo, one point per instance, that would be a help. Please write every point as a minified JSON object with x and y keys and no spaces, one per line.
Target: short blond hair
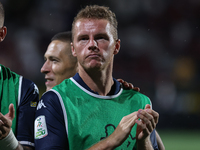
{"x":97,"y":12}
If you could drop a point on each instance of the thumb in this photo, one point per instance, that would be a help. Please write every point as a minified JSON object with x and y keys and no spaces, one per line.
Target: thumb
{"x":11,"y":113}
{"x":148,"y":106}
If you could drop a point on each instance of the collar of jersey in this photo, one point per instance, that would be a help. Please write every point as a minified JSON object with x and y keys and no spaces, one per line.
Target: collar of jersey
{"x":114,"y":89}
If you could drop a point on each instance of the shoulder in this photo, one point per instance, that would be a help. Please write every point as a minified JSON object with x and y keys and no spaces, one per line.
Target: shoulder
{"x":49,"y":105}
{"x":49,"y":95}
{"x":29,"y":91}
{"x":7,"y":73}
{"x":142,"y":98}
{"x":134,"y":93}
{"x":28,"y":84}
{"x":63,"y":84}
{"x":49,"y":100}
{"x":27,"y":81}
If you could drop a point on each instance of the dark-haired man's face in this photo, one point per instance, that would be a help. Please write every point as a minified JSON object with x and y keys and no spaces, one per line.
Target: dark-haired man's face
{"x":58,"y":63}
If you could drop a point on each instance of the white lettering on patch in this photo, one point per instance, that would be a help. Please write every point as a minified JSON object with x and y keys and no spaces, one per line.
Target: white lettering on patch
{"x":40,"y":127}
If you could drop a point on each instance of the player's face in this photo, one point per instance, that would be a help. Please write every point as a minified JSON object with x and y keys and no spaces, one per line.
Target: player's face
{"x":58,"y":65}
{"x":94,"y":44}
{"x":3,"y":32}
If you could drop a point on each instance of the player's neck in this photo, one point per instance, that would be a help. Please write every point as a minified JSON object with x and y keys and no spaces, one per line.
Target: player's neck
{"x":100,"y":81}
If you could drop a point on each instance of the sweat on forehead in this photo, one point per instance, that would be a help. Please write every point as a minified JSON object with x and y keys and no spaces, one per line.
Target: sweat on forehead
{"x":97,"y":12}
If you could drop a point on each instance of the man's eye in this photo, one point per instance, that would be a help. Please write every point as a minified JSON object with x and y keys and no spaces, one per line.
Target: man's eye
{"x":55,"y":60}
{"x":102,"y":38}
{"x":83,"y":39}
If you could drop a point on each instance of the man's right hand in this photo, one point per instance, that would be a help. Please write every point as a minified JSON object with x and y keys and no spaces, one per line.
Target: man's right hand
{"x":123,"y":129}
{"x":119,"y":135}
{"x":6,"y":122}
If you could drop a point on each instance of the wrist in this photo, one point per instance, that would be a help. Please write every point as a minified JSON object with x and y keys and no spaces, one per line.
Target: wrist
{"x":9,"y":142}
{"x":144,"y":144}
{"x":105,"y":144}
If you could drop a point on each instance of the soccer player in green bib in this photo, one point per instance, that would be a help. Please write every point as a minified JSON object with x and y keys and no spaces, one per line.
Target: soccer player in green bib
{"x":91,"y":110}
{"x":18,"y":100}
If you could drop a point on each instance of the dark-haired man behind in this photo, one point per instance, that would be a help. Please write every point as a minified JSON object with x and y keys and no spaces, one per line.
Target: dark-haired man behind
{"x":59,"y":62}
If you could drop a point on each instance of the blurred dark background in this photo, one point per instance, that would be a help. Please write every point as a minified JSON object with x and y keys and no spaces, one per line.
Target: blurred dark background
{"x":160,"y":48}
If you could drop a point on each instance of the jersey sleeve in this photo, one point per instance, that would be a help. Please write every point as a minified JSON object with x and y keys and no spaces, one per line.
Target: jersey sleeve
{"x":50,"y":131}
{"x":153,"y":140}
{"x":26,"y":112}
{"x":153,"y":136}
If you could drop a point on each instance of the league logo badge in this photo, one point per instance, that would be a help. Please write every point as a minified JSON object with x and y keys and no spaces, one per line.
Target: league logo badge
{"x":40,"y":127}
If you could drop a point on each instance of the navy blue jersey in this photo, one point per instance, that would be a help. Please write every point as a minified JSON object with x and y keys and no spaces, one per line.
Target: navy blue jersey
{"x":24,"y":95}
{"x":26,"y":112}
{"x":56,"y":131}
{"x":50,"y":117}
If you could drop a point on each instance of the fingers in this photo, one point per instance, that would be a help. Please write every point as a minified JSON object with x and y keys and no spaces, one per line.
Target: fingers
{"x":142,"y":129}
{"x":136,"y":89}
{"x":147,"y":119}
{"x":124,"y":83}
{"x":1,"y":122}
{"x":11,"y":113}
{"x":128,"y":85}
{"x":120,"y":80}
{"x":2,"y":130}
{"x":128,"y":121}
{"x":123,"y":130}
{"x":147,"y":122}
{"x":3,"y":126}
{"x":4,"y":121}
{"x":153,"y":113}
{"x":148,"y":106}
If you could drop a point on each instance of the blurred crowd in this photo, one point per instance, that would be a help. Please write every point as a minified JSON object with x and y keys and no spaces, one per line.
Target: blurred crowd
{"x":160,"y":46}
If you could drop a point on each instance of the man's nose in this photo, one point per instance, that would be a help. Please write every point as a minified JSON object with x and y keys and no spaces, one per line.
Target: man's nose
{"x":93,"y":45}
{"x":45,"y":68}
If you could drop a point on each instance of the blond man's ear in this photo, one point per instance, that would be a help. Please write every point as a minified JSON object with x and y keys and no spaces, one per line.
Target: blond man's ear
{"x":3,"y":32}
{"x":117,"y":47}
{"x":73,"y":50}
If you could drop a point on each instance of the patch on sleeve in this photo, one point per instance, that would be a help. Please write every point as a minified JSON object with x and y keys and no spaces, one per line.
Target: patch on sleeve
{"x":40,"y":127}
